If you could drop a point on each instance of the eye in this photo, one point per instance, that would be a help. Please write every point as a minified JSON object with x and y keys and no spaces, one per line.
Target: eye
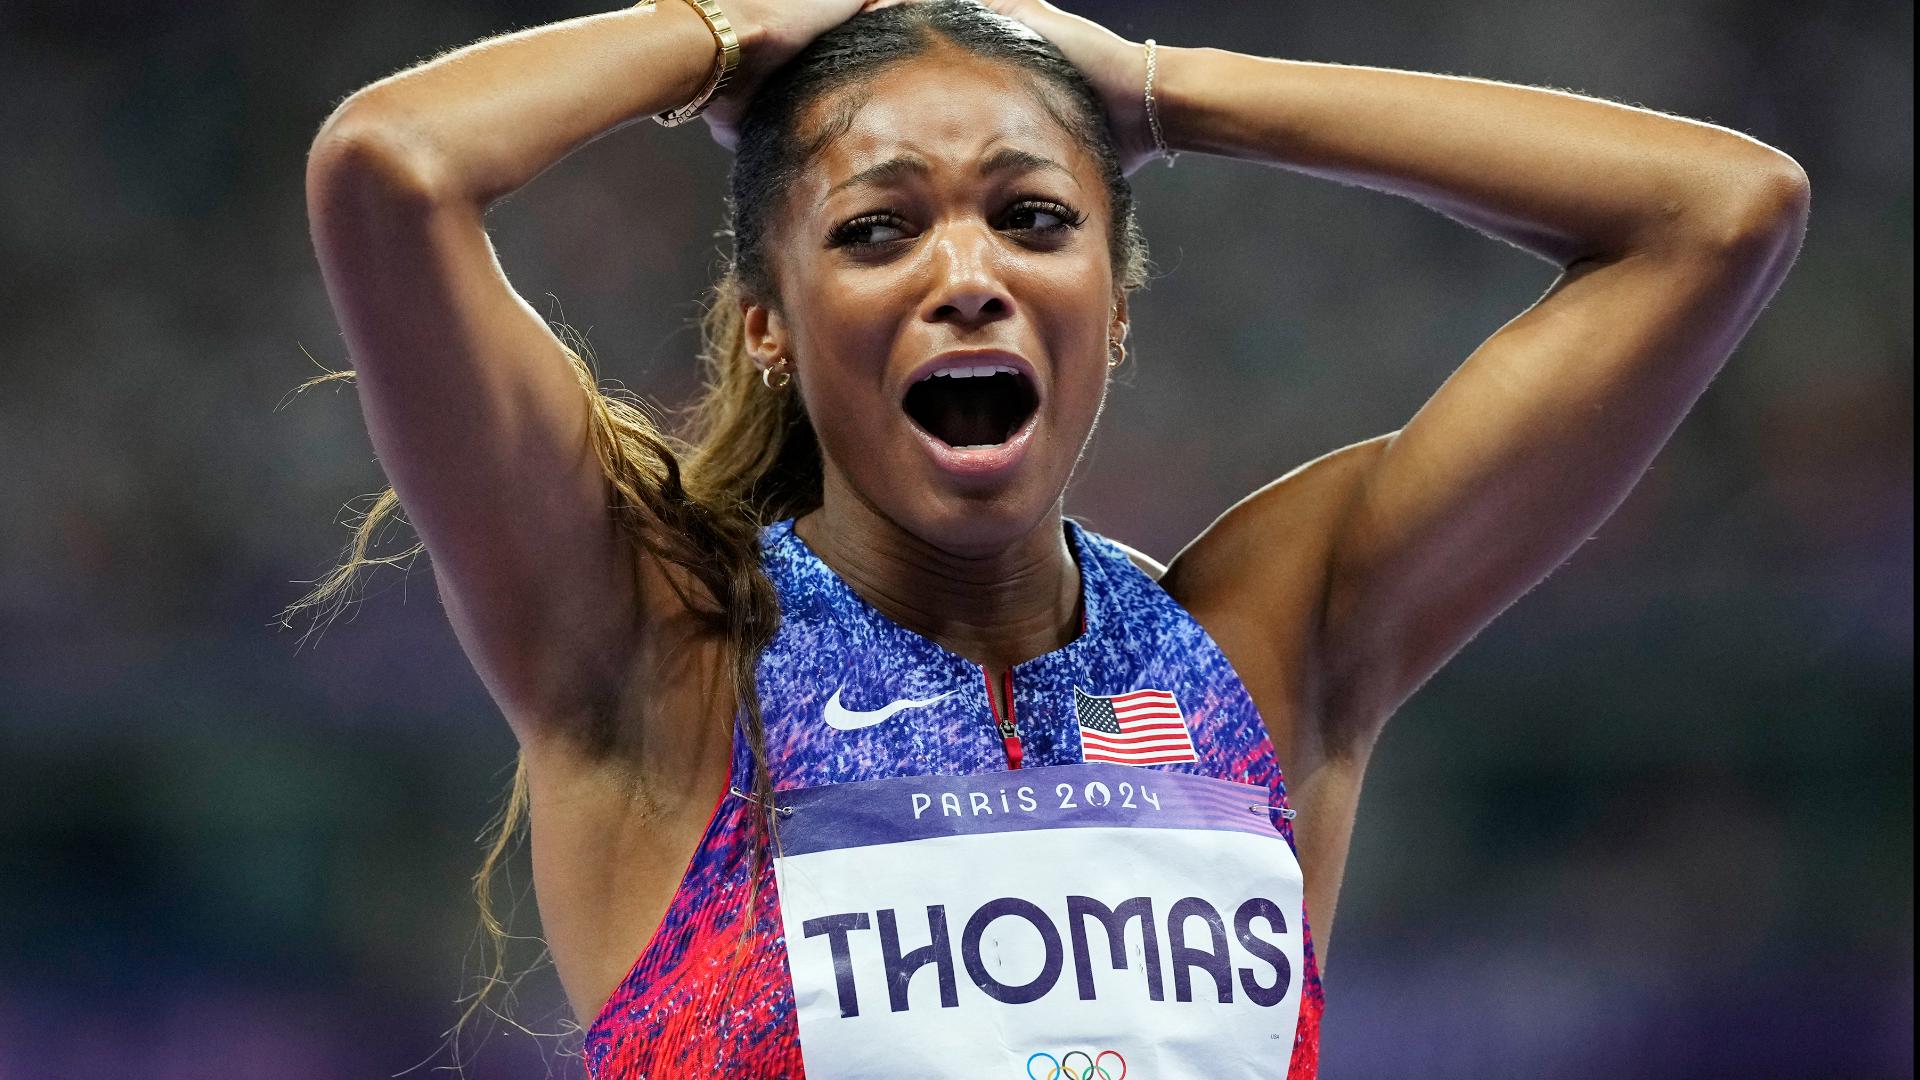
{"x":1041,"y":216}
{"x":868,"y":231}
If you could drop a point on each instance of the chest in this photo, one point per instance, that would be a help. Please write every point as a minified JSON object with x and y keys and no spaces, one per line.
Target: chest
{"x":846,"y":699}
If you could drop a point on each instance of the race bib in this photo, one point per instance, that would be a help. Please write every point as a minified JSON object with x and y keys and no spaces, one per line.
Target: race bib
{"x":1088,"y":921}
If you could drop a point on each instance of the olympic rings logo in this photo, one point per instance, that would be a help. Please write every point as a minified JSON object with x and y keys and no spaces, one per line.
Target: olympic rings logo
{"x":1062,"y":1068}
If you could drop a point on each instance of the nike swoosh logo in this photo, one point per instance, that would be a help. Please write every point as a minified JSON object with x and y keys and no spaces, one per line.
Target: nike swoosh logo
{"x":841,"y":718}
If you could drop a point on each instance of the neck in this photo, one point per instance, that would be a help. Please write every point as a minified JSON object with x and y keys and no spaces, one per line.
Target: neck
{"x":996,"y":609}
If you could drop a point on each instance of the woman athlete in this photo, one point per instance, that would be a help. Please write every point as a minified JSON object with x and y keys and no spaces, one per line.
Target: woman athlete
{"x":826,"y":713}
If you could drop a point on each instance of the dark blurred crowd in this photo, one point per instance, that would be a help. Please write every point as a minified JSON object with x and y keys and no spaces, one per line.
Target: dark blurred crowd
{"x":1656,"y":822}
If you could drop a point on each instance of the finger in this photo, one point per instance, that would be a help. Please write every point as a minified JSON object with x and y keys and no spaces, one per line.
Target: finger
{"x":723,"y":132}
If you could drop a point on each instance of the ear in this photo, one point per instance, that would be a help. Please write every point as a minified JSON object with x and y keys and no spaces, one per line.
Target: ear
{"x":764,"y":333}
{"x":1117,"y":324}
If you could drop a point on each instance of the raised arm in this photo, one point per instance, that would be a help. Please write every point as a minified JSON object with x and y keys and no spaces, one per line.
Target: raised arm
{"x":477,"y":416}
{"x":1672,"y":235}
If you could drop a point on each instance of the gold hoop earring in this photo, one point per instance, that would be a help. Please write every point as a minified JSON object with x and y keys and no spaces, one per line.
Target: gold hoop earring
{"x":778,"y":367}
{"x":1116,"y":354}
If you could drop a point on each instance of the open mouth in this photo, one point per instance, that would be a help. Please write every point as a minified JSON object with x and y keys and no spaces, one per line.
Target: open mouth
{"x":971,"y":407}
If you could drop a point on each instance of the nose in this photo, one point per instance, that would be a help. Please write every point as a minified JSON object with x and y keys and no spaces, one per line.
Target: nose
{"x":967,"y":290}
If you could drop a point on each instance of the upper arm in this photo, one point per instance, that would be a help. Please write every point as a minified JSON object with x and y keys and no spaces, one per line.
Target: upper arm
{"x":1339,"y":589}
{"x":480,"y":423}
{"x":1529,"y":446}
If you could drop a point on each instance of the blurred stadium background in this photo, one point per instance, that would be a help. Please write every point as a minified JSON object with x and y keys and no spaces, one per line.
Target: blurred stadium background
{"x":1656,"y":822}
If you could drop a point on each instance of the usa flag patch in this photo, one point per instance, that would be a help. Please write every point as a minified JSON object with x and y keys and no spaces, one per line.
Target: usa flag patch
{"x":1144,"y":727}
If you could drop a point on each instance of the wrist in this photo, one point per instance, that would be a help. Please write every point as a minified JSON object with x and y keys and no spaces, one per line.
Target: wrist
{"x":1150,"y":105}
{"x":755,"y":41}
{"x":1171,"y":85}
{"x":764,"y":46}
{"x":724,"y":62}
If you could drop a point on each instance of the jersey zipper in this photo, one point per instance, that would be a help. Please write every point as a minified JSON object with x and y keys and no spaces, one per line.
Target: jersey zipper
{"x":1008,"y":726}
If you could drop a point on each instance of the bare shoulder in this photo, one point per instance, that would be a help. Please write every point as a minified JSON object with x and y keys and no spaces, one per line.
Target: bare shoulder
{"x":1256,"y":579}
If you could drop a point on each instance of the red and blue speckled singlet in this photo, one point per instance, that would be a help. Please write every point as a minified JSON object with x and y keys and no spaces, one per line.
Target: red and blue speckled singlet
{"x":697,"y":1004}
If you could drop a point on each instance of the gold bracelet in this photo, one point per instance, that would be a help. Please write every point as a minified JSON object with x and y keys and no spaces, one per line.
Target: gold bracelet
{"x":723,"y":65}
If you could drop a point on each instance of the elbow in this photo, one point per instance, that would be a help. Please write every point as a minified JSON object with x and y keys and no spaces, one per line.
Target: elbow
{"x":364,"y":151}
{"x":1776,"y":200}
{"x":1761,"y":209}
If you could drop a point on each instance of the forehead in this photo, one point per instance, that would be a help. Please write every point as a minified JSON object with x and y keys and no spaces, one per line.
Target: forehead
{"x":949,"y":108}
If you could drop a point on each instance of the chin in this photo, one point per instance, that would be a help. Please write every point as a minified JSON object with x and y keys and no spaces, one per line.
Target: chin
{"x":978,"y":525}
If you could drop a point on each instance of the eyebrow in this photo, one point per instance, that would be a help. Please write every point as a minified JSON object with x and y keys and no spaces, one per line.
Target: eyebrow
{"x":1005,"y":159}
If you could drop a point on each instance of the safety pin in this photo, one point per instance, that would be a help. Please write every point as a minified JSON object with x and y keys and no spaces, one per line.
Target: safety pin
{"x":783,"y":811}
{"x":1286,"y":813}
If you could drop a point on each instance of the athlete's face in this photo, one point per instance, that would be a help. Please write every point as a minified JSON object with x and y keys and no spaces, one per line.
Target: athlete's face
{"x":946,"y":297}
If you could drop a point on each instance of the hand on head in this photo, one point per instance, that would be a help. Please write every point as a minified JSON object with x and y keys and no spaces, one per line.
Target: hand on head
{"x":773,"y":31}
{"x":1116,"y":67}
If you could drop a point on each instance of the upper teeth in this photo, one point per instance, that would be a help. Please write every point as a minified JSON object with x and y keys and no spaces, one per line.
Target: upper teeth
{"x":973,"y":372}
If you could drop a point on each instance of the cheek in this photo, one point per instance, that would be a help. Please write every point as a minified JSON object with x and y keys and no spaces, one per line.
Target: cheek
{"x":1084,"y":389}
{"x":848,"y":321}
{"x":842,"y":361}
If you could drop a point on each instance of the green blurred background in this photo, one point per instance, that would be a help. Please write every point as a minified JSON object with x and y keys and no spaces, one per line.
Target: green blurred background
{"x":1656,"y":822}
